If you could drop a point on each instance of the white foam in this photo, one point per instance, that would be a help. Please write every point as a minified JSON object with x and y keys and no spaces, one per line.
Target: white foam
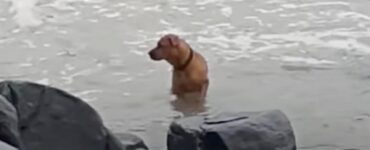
{"x":258,"y":20}
{"x":29,"y":43}
{"x":265,"y":48}
{"x":306,"y":60}
{"x":164,"y":22}
{"x":317,"y":39}
{"x":208,"y":2}
{"x":93,"y":20}
{"x":217,"y":29}
{"x":42,"y":59}
{"x":198,"y":23}
{"x":85,"y":72}
{"x":44,"y":72}
{"x":155,"y":8}
{"x":44,"y":81}
{"x":231,"y":55}
{"x":265,"y":11}
{"x":143,"y":46}
{"x":61,"y":5}
{"x":220,"y":41}
{"x":226,"y":25}
{"x":70,"y":78}
{"x":88,"y":92}
{"x":120,"y":74}
{"x":66,"y":53}
{"x":121,"y":4}
{"x":172,"y":30}
{"x":140,"y":53}
{"x":184,"y":10}
{"x":28,"y":14}
{"x":62,"y":31}
{"x":85,"y":95}
{"x":25,"y":65}
{"x":69,"y":67}
{"x":128,"y":79}
{"x":303,"y":5}
{"x":132,"y":42}
{"x":227,"y":11}
{"x":17,"y":30}
{"x":354,"y":15}
{"x":112,"y":15}
{"x":63,"y":72}
{"x":350,"y":45}
{"x":205,"y":2}
{"x":126,"y":94}
{"x":288,"y":15}
{"x":142,"y":40}
{"x":93,"y":1}
{"x":101,"y":10}
{"x":275,"y":1}
{"x":46,"y":45}
{"x":241,"y":41}
{"x":84,"y":1}
{"x":299,"y":23}
{"x":25,"y":12}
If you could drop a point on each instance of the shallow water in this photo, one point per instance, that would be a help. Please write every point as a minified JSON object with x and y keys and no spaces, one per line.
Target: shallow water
{"x":308,"y":58}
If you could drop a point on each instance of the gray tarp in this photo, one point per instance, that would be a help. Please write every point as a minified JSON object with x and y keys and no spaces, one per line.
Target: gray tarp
{"x":268,"y":130}
{"x":51,"y":119}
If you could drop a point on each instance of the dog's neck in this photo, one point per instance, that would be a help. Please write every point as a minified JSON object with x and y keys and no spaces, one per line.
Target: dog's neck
{"x":183,"y":65}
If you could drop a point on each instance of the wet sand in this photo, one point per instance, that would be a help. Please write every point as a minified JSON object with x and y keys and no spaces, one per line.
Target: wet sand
{"x":310,"y":59}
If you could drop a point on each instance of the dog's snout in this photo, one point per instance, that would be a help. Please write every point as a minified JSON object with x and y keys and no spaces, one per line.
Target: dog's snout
{"x":151,"y":54}
{"x":154,"y":54}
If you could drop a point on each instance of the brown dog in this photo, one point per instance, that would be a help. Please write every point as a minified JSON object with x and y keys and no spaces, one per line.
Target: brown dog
{"x":190,"y":72}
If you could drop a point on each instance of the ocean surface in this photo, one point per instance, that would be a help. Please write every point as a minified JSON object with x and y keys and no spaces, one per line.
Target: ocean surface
{"x":308,"y":58}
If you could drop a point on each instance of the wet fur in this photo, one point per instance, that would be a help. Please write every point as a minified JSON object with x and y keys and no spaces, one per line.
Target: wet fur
{"x":190,"y":81}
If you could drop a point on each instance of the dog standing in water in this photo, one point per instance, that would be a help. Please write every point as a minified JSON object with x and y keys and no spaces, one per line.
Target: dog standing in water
{"x":190,"y":71}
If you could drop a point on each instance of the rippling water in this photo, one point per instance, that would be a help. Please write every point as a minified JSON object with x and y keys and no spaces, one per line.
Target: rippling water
{"x":308,"y":58}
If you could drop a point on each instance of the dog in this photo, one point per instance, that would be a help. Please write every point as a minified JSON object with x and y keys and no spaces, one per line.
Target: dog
{"x":190,"y":71}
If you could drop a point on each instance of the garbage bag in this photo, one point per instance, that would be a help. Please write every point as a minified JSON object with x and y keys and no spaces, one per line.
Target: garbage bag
{"x":52,"y":119}
{"x":265,"y":130}
{"x":9,"y":134}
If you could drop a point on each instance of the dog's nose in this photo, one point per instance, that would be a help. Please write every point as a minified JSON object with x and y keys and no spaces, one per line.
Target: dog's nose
{"x":151,"y":54}
{"x":155,"y":54}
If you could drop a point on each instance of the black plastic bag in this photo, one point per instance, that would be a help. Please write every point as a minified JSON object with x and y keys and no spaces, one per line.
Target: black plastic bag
{"x":51,"y":119}
{"x":268,"y":130}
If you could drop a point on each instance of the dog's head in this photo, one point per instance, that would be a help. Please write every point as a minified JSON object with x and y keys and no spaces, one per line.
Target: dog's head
{"x":167,"y":47}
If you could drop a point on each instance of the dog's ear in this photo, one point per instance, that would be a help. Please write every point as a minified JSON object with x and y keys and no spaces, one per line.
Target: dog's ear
{"x":173,"y":39}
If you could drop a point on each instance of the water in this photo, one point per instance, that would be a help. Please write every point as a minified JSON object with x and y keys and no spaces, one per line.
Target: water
{"x":308,"y":58}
